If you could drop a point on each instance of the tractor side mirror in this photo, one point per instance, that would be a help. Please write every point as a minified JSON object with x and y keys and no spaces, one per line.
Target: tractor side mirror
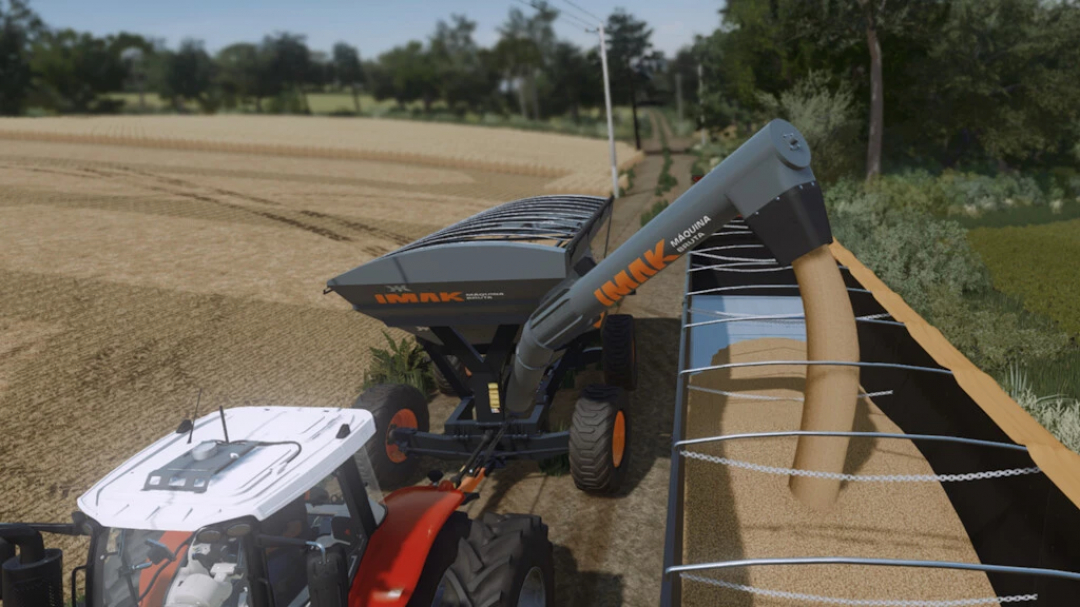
{"x":327,"y":578}
{"x":158,"y":552}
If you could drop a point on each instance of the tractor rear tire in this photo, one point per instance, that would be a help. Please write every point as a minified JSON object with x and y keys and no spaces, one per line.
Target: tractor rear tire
{"x":444,"y":384}
{"x":619,"y":352}
{"x":392,"y":406}
{"x":600,"y":439}
{"x":505,"y":560}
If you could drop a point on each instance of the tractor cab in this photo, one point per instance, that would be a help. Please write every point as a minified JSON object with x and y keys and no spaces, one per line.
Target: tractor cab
{"x":202,"y":519}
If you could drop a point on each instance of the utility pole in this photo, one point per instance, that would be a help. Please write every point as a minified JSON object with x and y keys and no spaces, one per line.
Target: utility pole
{"x":607,"y":104}
{"x":633,"y":105}
{"x":701,"y":101}
{"x":678,"y":97}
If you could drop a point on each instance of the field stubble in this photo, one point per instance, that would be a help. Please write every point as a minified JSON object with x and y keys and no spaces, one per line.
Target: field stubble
{"x":134,"y":276}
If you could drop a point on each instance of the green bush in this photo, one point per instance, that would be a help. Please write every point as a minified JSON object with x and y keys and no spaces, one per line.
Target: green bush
{"x":828,"y":118}
{"x":404,"y":362}
{"x":630,"y":175}
{"x":929,"y":262}
{"x":666,"y":181}
{"x":916,"y":255}
{"x":994,"y":331}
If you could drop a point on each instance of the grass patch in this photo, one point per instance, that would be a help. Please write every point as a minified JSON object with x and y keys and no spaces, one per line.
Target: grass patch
{"x":666,"y":181}
{"x":1056,"y":412}
{"x":1039,"y":264}
{"x":402,"y":362}
{"x":630,"y":175}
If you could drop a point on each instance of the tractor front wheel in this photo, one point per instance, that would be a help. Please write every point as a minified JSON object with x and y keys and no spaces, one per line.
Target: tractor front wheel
{"x":393,"y":406}
{"x":505,"y":560}
{"x":600,"y":439}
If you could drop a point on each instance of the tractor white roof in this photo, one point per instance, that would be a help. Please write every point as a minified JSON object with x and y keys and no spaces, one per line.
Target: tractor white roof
{"x":259,"y":483}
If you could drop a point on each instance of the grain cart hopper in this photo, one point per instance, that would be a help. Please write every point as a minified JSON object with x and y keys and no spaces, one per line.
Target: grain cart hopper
{"x":277,"y":507}
{"x":515,"y":294}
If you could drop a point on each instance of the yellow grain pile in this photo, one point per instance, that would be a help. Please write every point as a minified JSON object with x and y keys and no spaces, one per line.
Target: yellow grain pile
{"x":571,"y":164}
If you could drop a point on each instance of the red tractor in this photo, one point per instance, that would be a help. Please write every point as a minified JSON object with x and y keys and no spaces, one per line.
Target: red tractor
{"x":278,"y":507}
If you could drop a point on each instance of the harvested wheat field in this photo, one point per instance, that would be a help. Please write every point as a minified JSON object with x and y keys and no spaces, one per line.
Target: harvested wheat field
{"x":145,"y":258}
{"x":733,"y":513}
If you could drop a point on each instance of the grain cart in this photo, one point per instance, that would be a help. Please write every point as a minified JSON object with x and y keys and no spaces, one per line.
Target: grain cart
{"x":515,"y":295}
{"x":465,"y":292}
{"x":277,"y":507}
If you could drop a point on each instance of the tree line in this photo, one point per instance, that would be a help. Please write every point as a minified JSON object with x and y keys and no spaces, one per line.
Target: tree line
{"x":943,"y":83}
{"x":528,"y":71}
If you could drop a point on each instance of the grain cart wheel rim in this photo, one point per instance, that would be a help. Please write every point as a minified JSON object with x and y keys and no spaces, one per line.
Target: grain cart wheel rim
{"x":402,"y":419}
{"x":618,"y":439}
{"x":600,"y":439}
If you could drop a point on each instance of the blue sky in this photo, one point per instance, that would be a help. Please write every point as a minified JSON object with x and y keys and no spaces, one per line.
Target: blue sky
{"x":372,"y":26}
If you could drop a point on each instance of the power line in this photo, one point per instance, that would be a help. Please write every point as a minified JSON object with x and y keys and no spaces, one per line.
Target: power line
{"x":582,"y":10}
{"x":570,"y":16}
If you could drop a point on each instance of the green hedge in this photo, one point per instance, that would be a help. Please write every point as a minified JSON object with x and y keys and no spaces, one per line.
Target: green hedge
{"x":891,"y":225}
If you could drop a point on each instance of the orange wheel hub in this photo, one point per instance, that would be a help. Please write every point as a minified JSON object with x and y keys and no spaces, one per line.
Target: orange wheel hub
{"x":401,"y":419}
{"x":618,"y":439}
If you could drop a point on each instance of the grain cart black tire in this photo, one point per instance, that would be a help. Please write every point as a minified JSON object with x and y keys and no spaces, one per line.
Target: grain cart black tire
{"x":392,"y":406}
{"x":600,"y":439}
{"x":505,"y":561}
{"x":444,"y":384}
{"x":619,"y":352}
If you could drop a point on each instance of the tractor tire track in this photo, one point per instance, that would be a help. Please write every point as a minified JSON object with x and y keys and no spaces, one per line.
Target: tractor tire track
{"x":179,"y":183}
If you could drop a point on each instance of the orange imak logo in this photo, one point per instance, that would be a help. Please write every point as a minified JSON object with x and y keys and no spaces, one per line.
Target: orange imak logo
{"x":632,"y":277}
{"x":404,"y":298}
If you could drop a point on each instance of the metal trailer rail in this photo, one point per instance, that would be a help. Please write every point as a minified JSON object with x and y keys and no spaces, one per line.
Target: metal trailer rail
{"x":703,"y":262}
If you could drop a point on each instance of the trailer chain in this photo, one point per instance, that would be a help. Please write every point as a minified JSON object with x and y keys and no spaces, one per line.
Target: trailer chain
{"x":811,"y":598}
{"x":879,"y":478}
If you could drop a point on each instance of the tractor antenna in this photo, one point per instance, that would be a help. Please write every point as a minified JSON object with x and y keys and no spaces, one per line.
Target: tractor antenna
{"x":224,"y":428}
{"x":194,"y":416}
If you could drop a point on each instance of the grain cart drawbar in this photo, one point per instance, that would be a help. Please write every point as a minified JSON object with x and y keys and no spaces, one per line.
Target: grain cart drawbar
{"x":288,"y":511}
{"x":508,"y":301}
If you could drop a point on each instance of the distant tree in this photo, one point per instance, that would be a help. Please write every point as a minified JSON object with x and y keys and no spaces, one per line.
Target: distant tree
{"x":575,"y":81}
{"x":516,"y":58}
{"x":348,"y":70}
{"x":839,"y":25}
{"x":630,"y":55}
{"x":464,"y":81}
{"x":74,"y":69}
{"x":526,"y":46}
{"x":1002,"y":77}
{"x":408,"y":74}
{"x":19,"y":26}
{"x":289,"y":61}
{"x":187,"y":74}
{"x":243,"y":75}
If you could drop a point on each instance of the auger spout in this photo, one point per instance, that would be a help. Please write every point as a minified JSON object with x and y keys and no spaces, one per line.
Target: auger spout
{"x":767,"y":180}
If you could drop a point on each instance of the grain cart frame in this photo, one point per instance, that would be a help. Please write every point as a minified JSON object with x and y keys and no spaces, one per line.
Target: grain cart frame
{"x":520,"y":278}
{"x":277,"y":507}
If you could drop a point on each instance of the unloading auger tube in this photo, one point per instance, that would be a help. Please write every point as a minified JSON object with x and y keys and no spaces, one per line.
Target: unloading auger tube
{"x":769,"y":182}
